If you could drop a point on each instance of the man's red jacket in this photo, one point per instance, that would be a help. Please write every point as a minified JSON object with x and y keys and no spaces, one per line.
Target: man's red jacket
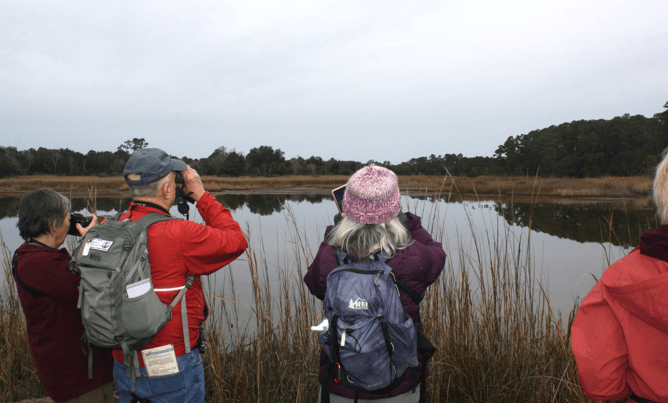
{"x":179,"y":248}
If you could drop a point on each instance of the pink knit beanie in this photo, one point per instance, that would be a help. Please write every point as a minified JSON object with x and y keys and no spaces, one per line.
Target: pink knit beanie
{"x":372,"y":195}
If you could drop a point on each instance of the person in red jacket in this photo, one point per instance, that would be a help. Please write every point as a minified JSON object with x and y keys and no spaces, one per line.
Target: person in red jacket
{"x":177,"y":249}
{"x":619,"y":335}
{"x":48,"y":292}
{"x":372,"y":222}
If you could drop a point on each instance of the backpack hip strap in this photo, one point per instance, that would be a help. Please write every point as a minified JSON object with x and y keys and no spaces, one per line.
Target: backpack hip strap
{"x":131,"y":361}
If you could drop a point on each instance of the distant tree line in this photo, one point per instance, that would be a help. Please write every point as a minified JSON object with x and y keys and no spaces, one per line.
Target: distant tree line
{"x":623,"y":146}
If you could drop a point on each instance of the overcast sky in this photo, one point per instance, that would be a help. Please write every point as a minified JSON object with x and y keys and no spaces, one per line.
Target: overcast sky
{"x":359,"y":80}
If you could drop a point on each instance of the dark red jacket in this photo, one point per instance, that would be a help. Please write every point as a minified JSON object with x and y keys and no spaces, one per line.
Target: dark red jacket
{"x":620,"y":333}
{"x":54,"y":324}
{"x":419,"y":265}
{"x":179,"y":248}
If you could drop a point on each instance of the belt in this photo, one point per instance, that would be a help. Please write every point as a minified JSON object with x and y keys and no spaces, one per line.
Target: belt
{"x":640,"y":399}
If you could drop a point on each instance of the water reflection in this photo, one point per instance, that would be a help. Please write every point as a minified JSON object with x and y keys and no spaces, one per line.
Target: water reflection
{"x":617,"y":221}
{"x":619,"y":224}
{"x":260,"y":204}
{"x":564,"y":236}
{"x":265,"y":205}
{"x":583,"y":223}
{"x":9,"y":206}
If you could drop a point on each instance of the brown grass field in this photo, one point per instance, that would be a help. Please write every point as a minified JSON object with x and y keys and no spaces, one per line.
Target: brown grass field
{"x":505,"y":186}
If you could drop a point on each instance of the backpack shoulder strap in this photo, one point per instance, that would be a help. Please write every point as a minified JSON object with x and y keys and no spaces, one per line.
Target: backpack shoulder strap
{"x":342,"y":257}
{"x":15,"y":259}
{"x":382,"y":256}
{"x":152,"y":218}
{"x":145,"y":222}
{"x":414,"y":295}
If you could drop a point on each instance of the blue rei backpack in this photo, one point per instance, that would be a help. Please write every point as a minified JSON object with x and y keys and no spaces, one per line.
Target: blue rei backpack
{"x":371,"y":341}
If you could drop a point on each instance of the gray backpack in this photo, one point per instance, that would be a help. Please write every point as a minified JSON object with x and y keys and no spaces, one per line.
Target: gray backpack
{"x":119,"y":306}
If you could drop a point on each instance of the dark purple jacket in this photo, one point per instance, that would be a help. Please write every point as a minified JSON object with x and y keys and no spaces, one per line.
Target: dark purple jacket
{"x":419,"y":265}
{"x":54,"y":326}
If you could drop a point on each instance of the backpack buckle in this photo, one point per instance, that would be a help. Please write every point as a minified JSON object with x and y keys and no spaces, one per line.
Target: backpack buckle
{"x":337,"y":380}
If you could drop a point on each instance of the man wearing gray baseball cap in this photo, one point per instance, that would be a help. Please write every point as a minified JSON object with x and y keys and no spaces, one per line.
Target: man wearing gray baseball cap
{"x":151,"y":165}
{"x":178,"y":249}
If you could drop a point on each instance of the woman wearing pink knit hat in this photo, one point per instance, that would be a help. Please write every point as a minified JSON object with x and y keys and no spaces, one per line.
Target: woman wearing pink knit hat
{"x":373,"y":225}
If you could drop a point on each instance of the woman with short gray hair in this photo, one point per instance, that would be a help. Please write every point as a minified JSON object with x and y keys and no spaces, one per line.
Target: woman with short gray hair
{"x":39,"y":210}
{"x":48,"y":294}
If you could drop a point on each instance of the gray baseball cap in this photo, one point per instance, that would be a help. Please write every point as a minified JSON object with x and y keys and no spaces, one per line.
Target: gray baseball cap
{"x":151,"y":164}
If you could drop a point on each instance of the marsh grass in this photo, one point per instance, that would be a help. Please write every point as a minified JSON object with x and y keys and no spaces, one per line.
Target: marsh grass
{"x":488,"y":314}
{"x":18,"y":376}
{"x":510,"y":187}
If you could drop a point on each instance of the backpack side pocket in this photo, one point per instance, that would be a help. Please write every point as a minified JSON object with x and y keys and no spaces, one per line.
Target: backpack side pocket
{"x":98,"y":304}
{"x":144,"y":315}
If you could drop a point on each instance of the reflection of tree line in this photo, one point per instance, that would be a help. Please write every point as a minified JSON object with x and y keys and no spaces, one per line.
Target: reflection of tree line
{"x":256,"y":203}
{"x":579,"y":223}
{"x":266,"y":204}
{"x":9,"y":206}
{"x":582,"y":223}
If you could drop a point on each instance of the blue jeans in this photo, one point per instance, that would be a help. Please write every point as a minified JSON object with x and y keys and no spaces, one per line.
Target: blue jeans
{"x":185,"y":386}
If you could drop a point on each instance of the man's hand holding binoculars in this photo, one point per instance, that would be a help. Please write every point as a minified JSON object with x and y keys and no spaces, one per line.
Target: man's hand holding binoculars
{"x":193,"y":186}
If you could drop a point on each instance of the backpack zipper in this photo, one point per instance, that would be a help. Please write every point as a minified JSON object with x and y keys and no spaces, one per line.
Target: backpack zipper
{"x":360,"y":271}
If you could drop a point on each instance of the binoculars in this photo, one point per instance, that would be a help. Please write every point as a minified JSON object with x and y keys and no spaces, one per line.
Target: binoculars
{"x":179,"y":189}
{"x":182,"y":198}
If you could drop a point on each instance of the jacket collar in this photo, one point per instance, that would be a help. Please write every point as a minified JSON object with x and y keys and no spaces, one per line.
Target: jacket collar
{"x":135,"y":204}
{"x":654,"y":243}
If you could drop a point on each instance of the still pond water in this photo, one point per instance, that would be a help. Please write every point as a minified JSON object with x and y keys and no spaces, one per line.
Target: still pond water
{"x":568,"y":242}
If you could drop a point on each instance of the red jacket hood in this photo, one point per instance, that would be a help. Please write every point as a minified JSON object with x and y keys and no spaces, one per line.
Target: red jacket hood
{"x":640,"y":284}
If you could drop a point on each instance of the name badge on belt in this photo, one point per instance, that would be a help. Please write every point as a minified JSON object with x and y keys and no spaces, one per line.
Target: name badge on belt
{"x":160,"y":361}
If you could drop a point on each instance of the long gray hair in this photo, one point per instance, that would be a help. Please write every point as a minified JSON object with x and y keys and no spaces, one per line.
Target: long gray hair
{"x":660,"y":188}
{"x":367,"y":239}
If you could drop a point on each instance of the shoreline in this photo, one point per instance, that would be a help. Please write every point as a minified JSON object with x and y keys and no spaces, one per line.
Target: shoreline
{"x":619,"y":202}
{"x":504,"y":188}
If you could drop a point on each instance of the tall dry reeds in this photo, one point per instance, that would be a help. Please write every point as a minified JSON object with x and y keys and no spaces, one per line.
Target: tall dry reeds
{"x":275,"y":358}
{"x":18,"y":376}
{"x":488,"y":314}
{"x":463,"y":187}
{"x":498,"y":339}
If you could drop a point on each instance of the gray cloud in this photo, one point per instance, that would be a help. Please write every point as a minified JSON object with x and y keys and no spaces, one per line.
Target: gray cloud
{"x":351,"y":80}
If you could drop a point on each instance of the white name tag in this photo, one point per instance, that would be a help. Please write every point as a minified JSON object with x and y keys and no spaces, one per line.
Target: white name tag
{"x":160,"y":361}
{"x":100,"y":244}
